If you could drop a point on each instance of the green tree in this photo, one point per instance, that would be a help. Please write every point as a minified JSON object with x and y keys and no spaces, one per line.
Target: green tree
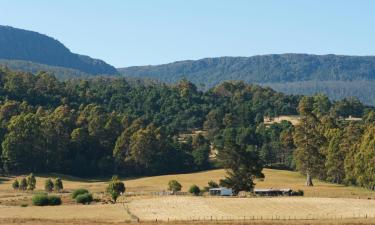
{"x":174,"y":185}
{"x":351,"y":139}
{"x":144,"y":148}
{"x":242,"y":163}
{"x":23,"y":144}
{"x":15,"y":185}
{"x":365,"y":164}
{"x":115,"y":188}
{"x":201,"y":151}
{"x":335,"y":157}
{"x":23,"y":184}
{"x":321,"y":105}
{"x":195,"y":190}
{"x":31,"y":182}
{"x":48,"y":185}
{"x":58,"y":185}
{"x":308,"y":156}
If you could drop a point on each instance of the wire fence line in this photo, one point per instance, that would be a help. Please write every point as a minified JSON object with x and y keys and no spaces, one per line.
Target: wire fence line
{"x":257,"y":218}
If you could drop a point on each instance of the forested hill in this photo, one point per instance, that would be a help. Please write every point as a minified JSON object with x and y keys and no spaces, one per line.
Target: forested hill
{"x":23,"y":45}
{"x":290,"y":73}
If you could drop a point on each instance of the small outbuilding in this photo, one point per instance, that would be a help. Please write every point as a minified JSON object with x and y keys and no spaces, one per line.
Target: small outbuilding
{"x":273,"y":192}
{"x":221,"y":191}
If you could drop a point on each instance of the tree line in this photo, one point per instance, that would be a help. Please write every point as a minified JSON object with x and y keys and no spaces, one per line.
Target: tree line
{"x":103,"y":126}
{"x":333,"y":149}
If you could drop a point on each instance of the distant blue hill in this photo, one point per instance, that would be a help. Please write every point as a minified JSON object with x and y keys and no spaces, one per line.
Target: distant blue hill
{"x":337,"y":76}
{"x":28,"y":46}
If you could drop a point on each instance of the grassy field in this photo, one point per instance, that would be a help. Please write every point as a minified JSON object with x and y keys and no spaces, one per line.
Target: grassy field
{"x":296,"y":208}
{"x":324,"y":200}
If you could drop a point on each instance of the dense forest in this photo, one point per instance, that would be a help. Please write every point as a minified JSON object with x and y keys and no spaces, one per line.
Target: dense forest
{"x":23,"y":46}
{"x":363,"y":89}
{"x":103,"y":126}
{"x":281,"y":71}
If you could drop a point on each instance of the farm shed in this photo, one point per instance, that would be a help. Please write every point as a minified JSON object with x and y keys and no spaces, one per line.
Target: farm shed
{"x":221,"y":191}
{"x":273,"y":192}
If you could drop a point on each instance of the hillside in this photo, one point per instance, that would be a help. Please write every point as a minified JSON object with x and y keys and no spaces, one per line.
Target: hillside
{"x":23,"y":45}
{"x":337,"y":76}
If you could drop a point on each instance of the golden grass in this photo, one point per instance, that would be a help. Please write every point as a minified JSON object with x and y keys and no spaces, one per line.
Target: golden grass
{"x":204,"y":208}
{"x":274,"y":179}
{"x":107,"y":212}
{"x":342,"y":200}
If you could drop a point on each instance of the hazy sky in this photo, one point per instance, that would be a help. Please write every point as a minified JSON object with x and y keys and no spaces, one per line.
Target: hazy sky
{"x":140,"y":32}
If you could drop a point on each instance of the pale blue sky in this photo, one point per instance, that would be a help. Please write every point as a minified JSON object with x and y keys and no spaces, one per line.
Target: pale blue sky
{"x":141,"y":32}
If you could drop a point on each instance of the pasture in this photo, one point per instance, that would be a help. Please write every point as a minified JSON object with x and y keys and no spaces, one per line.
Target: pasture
{"x":324,"y":201}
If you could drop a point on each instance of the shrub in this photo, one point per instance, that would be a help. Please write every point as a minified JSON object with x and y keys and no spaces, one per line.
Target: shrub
{"x":194,"y":189}
{"x":23,"y":184}
{"x":40,"y":199}
{"x":173,"y":185}
{"x":115,"y":188}
{"x":48,"y":185}
{"x":24,"y":205}
{"x":58,"y":185}
{"x":85,"y":198}
{"x":79,"y":192}
{"x":54,"y":200}
{"x":31,"y":182}
{"x":15,"y":184}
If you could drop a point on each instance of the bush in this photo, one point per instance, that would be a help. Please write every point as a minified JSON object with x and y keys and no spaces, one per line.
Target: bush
{"x":31,"y":182}
{"x":115,"y":188}
{"x":40,"y":199}
{"x":15,"y":184}
{"x":54,"y":200}
{"x":85,"y":198}
{"x":48,"y":185}
{"x":23,"y":184}
{"x":58,"y":185}
{"x":194,"y":189}
{"x":173,"y":185}
{"x":79,"y":192}
{"x":24,"y":205}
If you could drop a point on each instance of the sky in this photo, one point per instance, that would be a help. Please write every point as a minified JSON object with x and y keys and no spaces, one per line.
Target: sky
{"x":149,"y":32}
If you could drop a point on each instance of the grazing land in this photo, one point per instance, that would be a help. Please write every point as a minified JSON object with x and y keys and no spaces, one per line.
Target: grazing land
{"x":323,"y":201}
{"x":193,"y":208}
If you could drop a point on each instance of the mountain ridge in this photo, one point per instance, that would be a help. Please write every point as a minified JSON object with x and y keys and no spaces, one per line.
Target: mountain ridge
{"x":272,"y":70}
{"x":25,"y":45}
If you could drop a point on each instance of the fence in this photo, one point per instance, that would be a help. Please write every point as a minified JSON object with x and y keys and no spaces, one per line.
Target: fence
{"x":257,"y":218}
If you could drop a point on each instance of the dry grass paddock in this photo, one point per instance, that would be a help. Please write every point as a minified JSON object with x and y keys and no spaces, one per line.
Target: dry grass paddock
{"x":324,"y":199}
{"x":280,"y":208}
